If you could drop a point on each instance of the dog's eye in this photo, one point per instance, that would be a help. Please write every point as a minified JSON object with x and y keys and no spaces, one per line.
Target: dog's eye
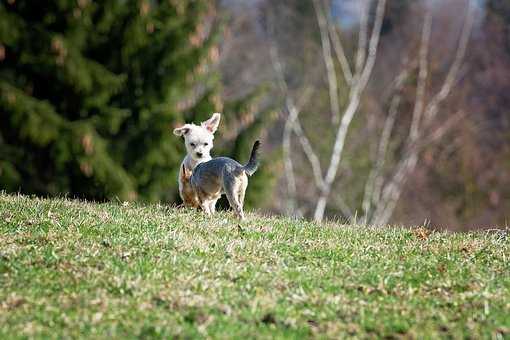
{"x":192,"y":145}
{"x":205,"y":144}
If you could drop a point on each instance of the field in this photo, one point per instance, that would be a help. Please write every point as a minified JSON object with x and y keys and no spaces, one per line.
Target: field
{"x":77,"y":269}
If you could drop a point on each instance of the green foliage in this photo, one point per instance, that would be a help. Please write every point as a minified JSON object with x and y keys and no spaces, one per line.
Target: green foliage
{"x":89,"y":93}
{"x":72,"y":269}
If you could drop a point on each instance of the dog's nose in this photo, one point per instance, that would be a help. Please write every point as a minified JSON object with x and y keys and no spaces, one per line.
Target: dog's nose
{"x":199,"y":154}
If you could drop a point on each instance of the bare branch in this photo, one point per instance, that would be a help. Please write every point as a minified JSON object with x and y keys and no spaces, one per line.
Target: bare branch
{"x":362,"y":37}
{"x":344,"y":208}
{"x":292,"y":124}
{"x":374,"y":44}
{"x":340,"y":52}
{"x":374,"y":183}
{"x":390,"y":192}
{"x":286,"y":143}
{"x":441,"y":131}
{"x":393,"y":190}
{"x":408,"y":163}
{"x":310,"y":154}
{"x":422,"y":76}
{"x":289,"y":166}
{"x":304,"y":98}
{"x":328,"y":61}
{"x":384,"y":185}
{"x":352,"y":107}
{"x":375,"y":175}
{"x":452,"y":76}
{"x":381,"y":157}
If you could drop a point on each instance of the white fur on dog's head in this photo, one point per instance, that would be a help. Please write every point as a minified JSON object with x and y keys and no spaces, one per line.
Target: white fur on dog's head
{"x":198,"y":139}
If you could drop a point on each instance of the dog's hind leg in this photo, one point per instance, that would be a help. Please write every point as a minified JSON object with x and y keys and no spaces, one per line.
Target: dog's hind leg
{"x":204,"y":204}
{"x":212,"y":204}
{"x":243,"y":184}
{"x":231,"y":185}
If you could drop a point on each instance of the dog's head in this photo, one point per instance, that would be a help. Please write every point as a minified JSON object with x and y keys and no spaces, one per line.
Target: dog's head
{"x":198,"y":139}
{"x":188,"y":194}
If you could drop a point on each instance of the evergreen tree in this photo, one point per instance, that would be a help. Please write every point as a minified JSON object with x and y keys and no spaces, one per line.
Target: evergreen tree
{"x":89,"y":94}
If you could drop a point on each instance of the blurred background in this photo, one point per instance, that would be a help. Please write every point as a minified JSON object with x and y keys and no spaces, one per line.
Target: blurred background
{"x":373,"y":111}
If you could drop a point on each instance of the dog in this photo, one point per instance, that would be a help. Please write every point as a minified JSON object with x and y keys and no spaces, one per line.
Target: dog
{"x":221,"y":175}
{"x":198,"y":140}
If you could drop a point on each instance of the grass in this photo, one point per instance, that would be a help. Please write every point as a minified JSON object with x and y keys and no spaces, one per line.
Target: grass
{"x":77,"y":269}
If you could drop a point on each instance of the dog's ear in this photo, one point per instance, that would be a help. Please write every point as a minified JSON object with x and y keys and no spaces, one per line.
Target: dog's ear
{"x":182,"y":130}
{"x":212,"y":123}
{"x":185,"y":174}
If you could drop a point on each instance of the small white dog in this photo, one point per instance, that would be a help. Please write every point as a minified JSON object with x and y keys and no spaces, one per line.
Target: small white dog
{"x":198,"y":140}
{"x":222,"y":175}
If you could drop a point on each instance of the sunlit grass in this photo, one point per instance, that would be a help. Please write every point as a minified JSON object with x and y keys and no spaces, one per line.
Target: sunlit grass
{"x":76,"y":269}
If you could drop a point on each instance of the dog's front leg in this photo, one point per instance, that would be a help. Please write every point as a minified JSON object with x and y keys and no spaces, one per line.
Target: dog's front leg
{"x":212,"y":205}
{"x":205,"y":207}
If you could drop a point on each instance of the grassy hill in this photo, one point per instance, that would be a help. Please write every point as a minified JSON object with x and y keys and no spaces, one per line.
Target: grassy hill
{"x":76,"y":269}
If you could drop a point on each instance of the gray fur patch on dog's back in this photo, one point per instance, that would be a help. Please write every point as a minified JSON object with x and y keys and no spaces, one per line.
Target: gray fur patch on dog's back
{"x":211,"y":172}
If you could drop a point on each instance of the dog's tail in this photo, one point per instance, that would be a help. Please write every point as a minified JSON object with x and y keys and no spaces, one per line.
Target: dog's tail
{"x":253,"y":163}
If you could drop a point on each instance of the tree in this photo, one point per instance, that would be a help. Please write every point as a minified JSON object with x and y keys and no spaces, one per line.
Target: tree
{"x":89,"y":93}
{"x":385,"y":181}
{"x":469,"y":171}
